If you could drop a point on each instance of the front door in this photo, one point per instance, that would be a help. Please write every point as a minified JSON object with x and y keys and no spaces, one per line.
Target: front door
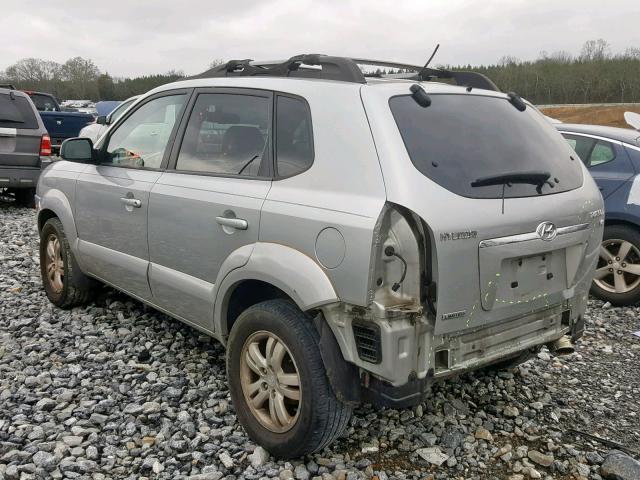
{"x":112,"y":197}
{"x":209,"y":205}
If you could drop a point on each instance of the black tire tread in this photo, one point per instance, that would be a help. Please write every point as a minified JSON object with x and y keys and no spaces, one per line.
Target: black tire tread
{"x":333,"y":414}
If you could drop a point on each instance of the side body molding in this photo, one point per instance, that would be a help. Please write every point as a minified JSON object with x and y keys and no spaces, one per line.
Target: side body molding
{"x":291,"y":271}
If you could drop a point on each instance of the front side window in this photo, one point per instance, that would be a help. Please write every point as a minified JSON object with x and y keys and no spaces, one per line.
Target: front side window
{"x":141,"y":140}
{"x":226,"y":134}
{"x":119,"y":110}
{"x":294,"y":141}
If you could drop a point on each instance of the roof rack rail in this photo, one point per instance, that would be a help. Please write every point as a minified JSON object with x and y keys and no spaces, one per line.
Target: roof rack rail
{"x":9,"y":86}
{"x":426,"y":74}
{"x":330,"y":68}
{"x":341,"y":68}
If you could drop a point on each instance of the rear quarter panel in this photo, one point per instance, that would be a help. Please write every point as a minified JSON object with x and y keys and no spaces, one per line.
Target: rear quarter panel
{"x":342,"y":194}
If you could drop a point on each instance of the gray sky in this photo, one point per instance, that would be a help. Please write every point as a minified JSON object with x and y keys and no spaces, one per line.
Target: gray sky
{"x":135,"y":37}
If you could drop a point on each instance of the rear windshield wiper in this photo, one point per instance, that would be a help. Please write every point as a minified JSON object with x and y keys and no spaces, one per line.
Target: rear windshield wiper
{"x":537,"y":178}
{"x":10,"y":120}
{"x":534,"y":178}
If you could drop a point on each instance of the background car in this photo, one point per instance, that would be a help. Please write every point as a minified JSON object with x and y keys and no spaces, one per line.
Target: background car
{"x":25,"y":146}
{"x":59,"y":123}
{"x":95,"y":130}
{"x":612,"y":155}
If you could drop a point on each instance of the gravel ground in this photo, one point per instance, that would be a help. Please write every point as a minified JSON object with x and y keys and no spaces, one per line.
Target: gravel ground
{"x":118,"y":390}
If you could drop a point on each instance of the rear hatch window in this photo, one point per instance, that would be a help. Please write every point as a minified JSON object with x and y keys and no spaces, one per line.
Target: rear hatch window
{"x":462,"y":138}
{"x":17,"y":113}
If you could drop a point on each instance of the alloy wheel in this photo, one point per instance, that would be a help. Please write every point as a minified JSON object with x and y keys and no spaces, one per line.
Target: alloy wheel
{"x":270,"y":381}
{"x":618,"y":269}
{"x":54,"y":264}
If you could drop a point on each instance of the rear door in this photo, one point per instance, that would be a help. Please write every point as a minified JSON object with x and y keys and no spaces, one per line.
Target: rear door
{"x":112,"y":198}
{"x":20,"y":132}
{"x":608,"y":162}
{"x":209,"y":205}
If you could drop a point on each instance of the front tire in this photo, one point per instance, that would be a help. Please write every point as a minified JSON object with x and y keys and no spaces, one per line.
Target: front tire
{"x":617,"y":277}
{"x":278,"y":382}
{"x":65,"y":285}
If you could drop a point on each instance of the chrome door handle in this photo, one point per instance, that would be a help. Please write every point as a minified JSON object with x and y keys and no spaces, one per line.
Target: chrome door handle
{"x":131,"y":202}
{"x":237,"y":223}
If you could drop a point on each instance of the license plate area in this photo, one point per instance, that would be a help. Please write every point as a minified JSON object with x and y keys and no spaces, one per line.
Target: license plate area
{"x":528,"y":273}
{"x":527,"y":278}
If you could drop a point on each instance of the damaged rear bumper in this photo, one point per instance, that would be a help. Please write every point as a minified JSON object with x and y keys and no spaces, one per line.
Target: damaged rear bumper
{"x":411,"y":357}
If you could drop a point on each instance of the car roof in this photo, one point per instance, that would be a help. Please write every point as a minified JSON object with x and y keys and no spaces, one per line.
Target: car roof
{"x":18,"y":93}
{"x":626,"y":135}
{"x":300,"y":84}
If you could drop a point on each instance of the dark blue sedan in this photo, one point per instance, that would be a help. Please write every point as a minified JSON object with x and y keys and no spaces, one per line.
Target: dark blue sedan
{"x":612,"y":155}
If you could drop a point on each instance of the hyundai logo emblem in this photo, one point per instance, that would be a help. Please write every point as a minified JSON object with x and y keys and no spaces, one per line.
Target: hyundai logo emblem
{"x":547,"y":231}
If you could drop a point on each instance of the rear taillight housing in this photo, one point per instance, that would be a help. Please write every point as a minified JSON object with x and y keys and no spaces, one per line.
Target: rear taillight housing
{"x":45,"y":146}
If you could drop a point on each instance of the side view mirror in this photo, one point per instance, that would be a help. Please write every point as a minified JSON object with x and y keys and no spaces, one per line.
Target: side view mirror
{"x":102,"y":120}
{"x":77,"y":149}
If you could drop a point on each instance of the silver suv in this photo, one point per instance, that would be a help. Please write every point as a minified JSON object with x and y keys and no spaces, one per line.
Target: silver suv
{"x":348,"y":238}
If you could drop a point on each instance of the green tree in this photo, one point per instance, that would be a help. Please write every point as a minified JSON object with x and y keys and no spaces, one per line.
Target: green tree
{"x":106,"y":87}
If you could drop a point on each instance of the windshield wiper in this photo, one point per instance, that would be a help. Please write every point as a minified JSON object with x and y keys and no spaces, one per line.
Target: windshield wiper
{"x":10,"y":120}
{"x":537,"y":178}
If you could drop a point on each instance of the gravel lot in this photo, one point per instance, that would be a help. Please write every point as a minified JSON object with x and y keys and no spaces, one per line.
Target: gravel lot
{"x":118,"y":390}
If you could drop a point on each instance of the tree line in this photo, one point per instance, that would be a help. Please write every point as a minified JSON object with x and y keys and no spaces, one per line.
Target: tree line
{"x":79,"y":78}
{"x":595,"y":75}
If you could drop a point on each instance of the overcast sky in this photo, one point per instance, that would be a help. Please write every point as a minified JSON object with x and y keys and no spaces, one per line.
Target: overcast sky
{"x":135,"y":37}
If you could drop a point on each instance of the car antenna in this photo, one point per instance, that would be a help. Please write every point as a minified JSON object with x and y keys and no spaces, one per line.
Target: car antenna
{"x":426,"y":65}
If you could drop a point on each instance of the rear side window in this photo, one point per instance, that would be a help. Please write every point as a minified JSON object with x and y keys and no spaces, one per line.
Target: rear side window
{"x":17,"y":113}
{"x":602,"y":153}
{"x":44,"y":103}
{"x":591,"y":151}
{"x":461,"y":138}
{"x":294,"y":140}
{"x":226,"y":134}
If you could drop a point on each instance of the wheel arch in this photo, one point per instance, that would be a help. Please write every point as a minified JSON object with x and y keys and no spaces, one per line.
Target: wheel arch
{"x":56,"y":204}
{"x":271,"y":271}
{"x":625,"y":222}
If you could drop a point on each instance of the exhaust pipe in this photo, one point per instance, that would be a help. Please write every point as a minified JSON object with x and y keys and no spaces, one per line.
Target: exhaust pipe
{"x":562,"y":346}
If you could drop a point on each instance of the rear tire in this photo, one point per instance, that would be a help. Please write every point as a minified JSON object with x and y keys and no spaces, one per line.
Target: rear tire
{"x":617,"y":278}
{"x":296,"y":427}
{"x":25,"y":197}
{"x":64,"y":283}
